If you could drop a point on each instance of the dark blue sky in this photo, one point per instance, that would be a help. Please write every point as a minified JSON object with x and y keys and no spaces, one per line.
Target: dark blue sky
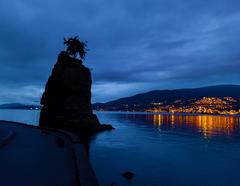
{"x":135,"y":45}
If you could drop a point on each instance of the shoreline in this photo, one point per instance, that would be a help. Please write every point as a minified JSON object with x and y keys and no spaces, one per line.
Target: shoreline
{"x":167,"y":113}
{"x":141,"y":112}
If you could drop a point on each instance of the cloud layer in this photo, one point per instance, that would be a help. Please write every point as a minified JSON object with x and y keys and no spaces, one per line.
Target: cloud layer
{"x":135,"y":46}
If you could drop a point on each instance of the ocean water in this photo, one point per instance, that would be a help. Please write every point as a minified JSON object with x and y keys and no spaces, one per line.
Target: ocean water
{"x":161,"y":149}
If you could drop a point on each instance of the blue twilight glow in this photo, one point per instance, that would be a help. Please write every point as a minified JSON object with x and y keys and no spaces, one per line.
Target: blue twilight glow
{"x":135,"y":46}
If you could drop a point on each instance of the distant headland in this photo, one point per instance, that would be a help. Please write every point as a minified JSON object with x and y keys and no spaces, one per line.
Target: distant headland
{"x":219,"y":99}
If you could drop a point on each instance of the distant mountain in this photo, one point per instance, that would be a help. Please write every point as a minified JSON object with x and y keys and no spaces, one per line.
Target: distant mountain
{"x":20,"y":106}
{"x":143,"y":101}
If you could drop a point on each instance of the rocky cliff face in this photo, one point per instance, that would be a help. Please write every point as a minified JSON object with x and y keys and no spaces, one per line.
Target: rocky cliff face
{"x":67,"y":98}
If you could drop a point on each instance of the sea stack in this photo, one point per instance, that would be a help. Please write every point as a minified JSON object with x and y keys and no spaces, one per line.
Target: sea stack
{"x":67,"y":98}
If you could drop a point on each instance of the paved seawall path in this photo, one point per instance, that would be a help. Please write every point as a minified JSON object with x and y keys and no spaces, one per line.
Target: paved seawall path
{"x":30,"y":155}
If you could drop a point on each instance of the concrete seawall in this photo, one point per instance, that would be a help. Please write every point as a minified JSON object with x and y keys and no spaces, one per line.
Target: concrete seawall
{"x":31,"y":155}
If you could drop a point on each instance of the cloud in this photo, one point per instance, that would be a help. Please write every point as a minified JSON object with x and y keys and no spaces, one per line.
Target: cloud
{"x":135,"y":45}
{"x":27,"y":94}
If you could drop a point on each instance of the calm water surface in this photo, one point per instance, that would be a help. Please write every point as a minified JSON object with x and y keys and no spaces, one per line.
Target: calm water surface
{"x":168,"y":149}
{"x":161,"y":149}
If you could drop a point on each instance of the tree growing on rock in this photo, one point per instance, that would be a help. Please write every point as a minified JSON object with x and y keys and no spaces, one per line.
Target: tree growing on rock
{"x":76,"y":47}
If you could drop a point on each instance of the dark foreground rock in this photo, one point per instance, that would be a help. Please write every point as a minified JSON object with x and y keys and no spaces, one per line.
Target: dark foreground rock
{"x":67,"y":98}
{"x":128,"y":175}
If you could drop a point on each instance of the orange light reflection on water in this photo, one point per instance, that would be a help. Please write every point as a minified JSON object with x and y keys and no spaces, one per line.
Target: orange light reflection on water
{"x":207,"y":125}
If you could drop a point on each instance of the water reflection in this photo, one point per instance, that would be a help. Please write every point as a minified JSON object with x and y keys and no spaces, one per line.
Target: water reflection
{"x":206,"y":125}
{"x":169,"y":149}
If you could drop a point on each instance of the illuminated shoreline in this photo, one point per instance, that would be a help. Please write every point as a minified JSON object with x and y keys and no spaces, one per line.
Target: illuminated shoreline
{"x":204,"y":105}
{"x":165,"y":113}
